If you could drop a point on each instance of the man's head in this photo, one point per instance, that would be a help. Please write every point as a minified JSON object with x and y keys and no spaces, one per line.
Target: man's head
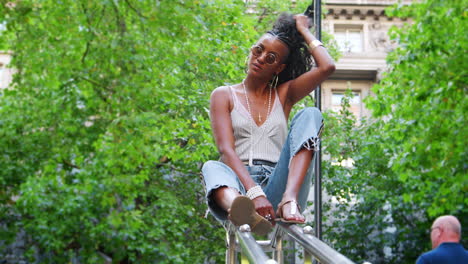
{"x":445,"y":228}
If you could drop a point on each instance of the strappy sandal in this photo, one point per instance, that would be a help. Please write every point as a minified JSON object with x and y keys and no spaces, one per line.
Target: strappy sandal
{"x":243,"y":212}
{"x":294,"y":209}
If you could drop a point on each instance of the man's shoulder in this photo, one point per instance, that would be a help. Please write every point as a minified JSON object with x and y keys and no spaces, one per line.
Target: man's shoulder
{"x":425,"y":257}
{"x":444,"y":254}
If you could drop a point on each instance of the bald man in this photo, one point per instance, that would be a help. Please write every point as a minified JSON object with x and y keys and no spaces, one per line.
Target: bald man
{"x":446,"y":247}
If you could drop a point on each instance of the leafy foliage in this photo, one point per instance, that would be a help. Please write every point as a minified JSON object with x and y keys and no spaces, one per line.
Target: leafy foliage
{"x":428,"y":104}
{"x":409,"y":160}
{"x":105,"y":126}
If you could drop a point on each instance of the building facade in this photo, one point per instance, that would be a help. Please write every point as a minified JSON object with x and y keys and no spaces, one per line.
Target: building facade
{"x":360,"y":29}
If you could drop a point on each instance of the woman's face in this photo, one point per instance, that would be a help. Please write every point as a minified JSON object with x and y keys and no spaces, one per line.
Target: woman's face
{"x":267,"y":56}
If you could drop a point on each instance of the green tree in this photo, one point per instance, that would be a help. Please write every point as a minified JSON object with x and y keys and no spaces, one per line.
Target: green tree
{"x":428,"y":104}
{"x":105,"y":126}
{"x":410,"y":158}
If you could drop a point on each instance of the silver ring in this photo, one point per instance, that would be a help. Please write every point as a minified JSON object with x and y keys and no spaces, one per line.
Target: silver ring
{"x":268,"y":217}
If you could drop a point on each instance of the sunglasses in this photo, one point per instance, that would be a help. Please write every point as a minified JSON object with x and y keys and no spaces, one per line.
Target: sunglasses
{"x":257,"y":51}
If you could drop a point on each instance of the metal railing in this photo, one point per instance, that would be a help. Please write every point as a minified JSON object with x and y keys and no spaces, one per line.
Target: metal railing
{"x":317,"y":248}
{"x":250,"y":247}
{"x":241,"y":240}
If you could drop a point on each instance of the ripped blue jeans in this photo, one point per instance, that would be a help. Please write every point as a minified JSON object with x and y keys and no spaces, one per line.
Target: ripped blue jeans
{"x":304,"y":132}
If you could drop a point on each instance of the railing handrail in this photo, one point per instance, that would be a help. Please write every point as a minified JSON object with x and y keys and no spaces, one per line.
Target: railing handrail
{"x":320,"y":250}
{"x":251,"y":248}
{"x":255,"y":252}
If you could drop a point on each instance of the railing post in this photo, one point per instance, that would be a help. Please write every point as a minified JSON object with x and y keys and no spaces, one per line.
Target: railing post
{"x":307,"y":256}
{"x":278,"y":253}
{"x":251,"y":248}
{"x":231,"y":245}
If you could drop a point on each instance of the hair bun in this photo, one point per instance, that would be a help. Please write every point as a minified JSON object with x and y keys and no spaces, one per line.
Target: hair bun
{"x":285,"y":29}
{"x":299,"y":60}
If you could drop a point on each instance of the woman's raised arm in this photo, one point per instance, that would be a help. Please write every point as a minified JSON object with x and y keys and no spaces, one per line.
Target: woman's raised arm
{"x":307,"y":82}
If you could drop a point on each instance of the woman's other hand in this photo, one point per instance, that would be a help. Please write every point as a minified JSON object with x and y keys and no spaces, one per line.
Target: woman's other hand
{"x":264,"y":208}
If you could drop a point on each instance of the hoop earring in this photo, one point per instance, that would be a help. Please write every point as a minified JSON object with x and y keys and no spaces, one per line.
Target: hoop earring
{"x":246,"y":64}
{"x":274,"y":81}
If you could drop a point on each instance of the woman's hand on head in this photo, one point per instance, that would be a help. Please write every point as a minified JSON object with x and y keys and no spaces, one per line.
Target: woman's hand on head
{"x":264,"y":208}
{"x":302,"y":22}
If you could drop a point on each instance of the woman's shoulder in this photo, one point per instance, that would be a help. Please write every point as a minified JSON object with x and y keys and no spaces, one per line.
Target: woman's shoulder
{"x":222,"y":91}
{"x":221,"y":97}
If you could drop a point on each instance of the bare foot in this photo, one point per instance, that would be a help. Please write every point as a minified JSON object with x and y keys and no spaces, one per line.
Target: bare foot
{"x":288,"y":212}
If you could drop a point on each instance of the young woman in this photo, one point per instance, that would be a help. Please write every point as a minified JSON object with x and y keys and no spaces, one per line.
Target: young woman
{"x":263,"y":174}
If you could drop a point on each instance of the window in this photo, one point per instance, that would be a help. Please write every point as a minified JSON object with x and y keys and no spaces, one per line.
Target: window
{"x":349,"y":38}
{"x":355,"y":102}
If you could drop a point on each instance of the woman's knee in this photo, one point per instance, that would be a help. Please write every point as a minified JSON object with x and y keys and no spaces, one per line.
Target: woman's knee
{"x":312,"y":111}
{"x":309,"y":113}
{"x":210,"y":165}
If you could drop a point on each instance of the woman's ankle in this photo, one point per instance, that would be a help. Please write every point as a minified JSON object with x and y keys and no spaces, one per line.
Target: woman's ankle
{"x":288,"y":197}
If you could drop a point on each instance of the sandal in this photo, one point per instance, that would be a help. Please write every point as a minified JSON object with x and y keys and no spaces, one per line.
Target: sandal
{"x":294,"y":210}
{"x":243,"y":212}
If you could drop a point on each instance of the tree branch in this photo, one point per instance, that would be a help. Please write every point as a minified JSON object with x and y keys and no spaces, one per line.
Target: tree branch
{"x":177,"y":169}
{"x":136,"y":10}
{"x":120,"y":22}
{"x":93,"y":82}
{"x":83,"y":57}
{"x":68,"y":163}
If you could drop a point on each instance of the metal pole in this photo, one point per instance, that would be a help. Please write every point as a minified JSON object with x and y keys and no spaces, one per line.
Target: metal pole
{"x":318,"y":159}
{"x":278,"y":253}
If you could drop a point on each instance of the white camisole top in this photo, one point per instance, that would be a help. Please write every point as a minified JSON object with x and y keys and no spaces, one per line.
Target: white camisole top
{"x":268,"y":139}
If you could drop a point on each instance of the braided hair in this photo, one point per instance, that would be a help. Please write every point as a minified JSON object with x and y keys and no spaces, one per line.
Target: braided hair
{"x":299,"y":60}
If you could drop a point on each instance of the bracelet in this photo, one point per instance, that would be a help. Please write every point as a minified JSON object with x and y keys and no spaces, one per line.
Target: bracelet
{"x":315,"y":43}
{"x":255,"y":192}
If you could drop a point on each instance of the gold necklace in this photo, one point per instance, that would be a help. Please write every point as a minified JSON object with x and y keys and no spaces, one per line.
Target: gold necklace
{"x":248,"y":104}
{"x":264,"y":104}
{"x":253,"y":121}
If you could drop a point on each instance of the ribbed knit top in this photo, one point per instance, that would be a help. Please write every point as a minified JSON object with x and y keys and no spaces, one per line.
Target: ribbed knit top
{"x":268,"y":139}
